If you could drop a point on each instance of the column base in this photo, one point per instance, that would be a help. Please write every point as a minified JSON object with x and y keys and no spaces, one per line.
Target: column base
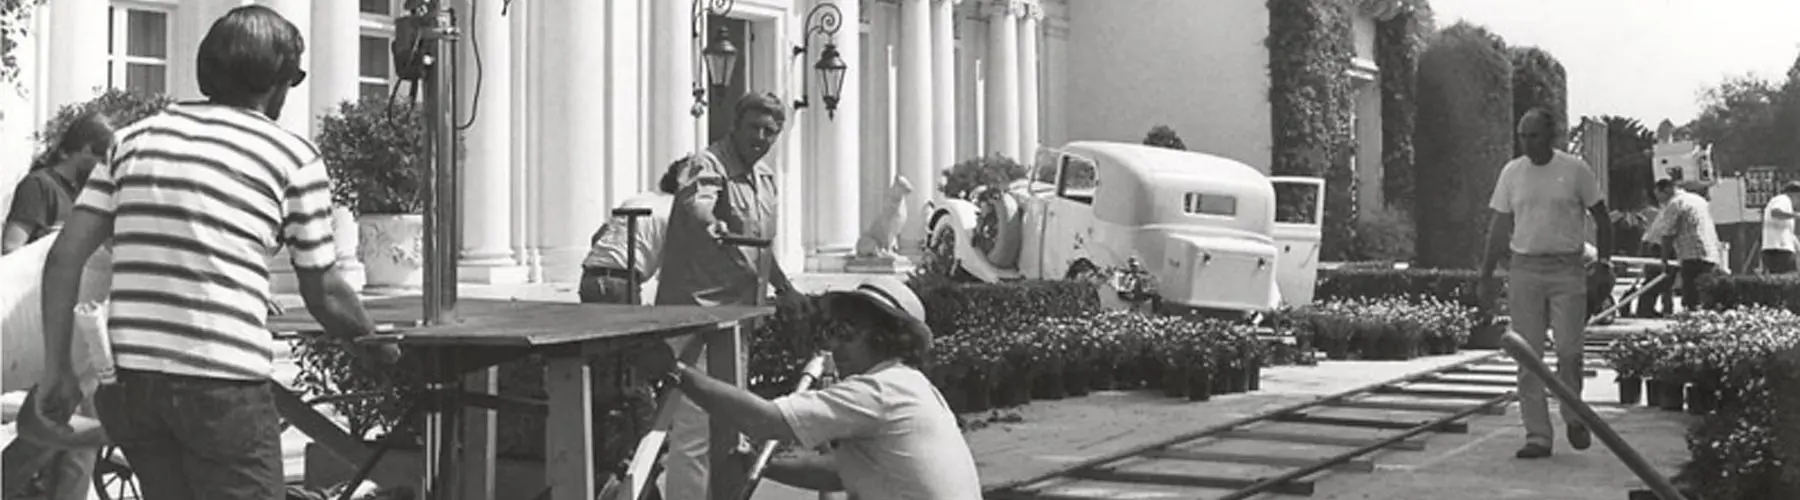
{"x":827,"y":260}
{"x":494,"y":272}
{"x":891,"y":264}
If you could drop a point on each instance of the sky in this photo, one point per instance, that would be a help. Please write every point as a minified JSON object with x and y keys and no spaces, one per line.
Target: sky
{"x":1644,"y":59}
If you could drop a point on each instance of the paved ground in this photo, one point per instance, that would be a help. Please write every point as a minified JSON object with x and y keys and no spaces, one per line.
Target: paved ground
{"x":1051,"y":433}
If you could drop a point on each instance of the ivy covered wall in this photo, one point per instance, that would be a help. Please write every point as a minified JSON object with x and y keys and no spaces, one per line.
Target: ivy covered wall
{"x":1312,"y":105}
{"x":1464,"y":136}
{"x":1398,"y":41}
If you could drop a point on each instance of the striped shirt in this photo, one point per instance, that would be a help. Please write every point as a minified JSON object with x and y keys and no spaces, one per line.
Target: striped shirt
{"x":201,"y":196}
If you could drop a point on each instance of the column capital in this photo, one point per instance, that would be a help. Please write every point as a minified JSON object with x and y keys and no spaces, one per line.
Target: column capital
{"x":1033,"y":10}
{"x":951,"y":2}
{"x":1004,"y":8}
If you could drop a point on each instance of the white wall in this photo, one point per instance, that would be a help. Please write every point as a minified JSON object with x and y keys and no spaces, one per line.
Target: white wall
{"x":1196,"y":65}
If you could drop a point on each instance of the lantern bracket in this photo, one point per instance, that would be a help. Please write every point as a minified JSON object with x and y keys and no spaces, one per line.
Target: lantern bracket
{"x":824,"y":19}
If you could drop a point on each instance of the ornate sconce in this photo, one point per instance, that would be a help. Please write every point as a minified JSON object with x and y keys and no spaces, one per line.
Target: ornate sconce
{"x":719,"y":59}
{"x":824,"y":19}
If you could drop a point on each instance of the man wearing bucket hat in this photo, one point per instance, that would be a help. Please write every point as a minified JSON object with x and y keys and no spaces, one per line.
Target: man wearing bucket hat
{"x":890,"y":431}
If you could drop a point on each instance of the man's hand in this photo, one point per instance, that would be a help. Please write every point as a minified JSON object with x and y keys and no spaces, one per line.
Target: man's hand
{"x":59,"y":394}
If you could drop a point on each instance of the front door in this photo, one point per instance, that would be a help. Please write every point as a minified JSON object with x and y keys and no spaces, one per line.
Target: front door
{"x":1299,"y":211}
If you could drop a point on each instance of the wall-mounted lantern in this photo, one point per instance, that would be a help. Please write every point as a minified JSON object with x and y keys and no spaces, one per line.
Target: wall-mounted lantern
{"x":824,"y":19}
{"x":719,"y":58}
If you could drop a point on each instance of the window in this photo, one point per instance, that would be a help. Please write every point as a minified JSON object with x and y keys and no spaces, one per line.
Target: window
{"x":376,"y":68}
{"x":1079,"y":179}
{"x":377,"y":7}
{"x":138,"y":49}
{"x":1209,"y":204}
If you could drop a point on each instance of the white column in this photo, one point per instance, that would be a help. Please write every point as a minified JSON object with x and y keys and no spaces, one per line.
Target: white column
{"x":836,"y":168}
{"x":1028,"y":81}
{"x":572,"y":185}
{"x":485,"y":90}
{"x":674,"y":131}
{"x":76,"y":67}
{"x":335,"y":26}
{"x":915,"y":103}
{"x":523,"y":73}
{"x":943,"y":76}
{"x":623,"y":165}
{"x":297,"y":112}
{"x":1003,"y":78}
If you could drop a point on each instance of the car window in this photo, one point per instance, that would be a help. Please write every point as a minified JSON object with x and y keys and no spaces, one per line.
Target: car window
{"x":1079,"y":180}
{"x":1296,"y":203}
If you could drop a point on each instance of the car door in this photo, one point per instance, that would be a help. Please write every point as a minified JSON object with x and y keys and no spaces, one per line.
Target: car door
{"x":1299,"y":212}
{"x":1068,"y":214}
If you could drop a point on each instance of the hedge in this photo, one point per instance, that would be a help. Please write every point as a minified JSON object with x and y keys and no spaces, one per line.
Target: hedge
{"x":1463,"y":137}
{"x":1747,"y":290}
{"x":1539,"y":80}
{"x":1311,"y":106}
{"x":1388,"y":328}
{"x":1452,"y":285}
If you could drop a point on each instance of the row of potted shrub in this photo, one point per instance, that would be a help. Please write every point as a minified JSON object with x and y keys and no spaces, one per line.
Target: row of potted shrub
{"x":1383,"y":328}
{"x":1728,"y":366}
{"x":1050,"y":357}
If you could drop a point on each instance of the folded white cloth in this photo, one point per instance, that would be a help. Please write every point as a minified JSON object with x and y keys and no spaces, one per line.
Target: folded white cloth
{"x":22,"y":322}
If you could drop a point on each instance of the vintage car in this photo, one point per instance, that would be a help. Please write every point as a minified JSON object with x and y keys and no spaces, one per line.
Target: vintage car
{"x":1206,"y":228}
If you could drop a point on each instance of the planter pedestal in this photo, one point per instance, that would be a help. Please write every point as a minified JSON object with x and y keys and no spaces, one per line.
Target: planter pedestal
{"x":392,"y":251}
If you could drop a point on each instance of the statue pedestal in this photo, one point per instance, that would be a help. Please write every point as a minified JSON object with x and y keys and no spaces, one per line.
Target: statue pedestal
{"x":886,"y":264}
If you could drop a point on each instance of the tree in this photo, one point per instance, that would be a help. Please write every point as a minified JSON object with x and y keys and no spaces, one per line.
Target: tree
{"x":1538,"y":81}
{"x":1628,"y":145}
{"x":15,"y":22}
{"x":1464,"y":136}
{"x":1738,"y":117}
{"x":1164,"y":137}
{"x":1398,"y":41}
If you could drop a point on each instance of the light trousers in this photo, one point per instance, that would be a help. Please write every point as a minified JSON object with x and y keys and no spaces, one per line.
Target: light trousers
{"x":1548,"y":293}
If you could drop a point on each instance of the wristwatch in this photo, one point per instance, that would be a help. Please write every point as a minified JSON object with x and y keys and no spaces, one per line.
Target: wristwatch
{"x":675,"y":375}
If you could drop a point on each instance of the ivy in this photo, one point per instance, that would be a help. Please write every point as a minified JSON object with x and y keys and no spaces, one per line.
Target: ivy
{"x":1312,"y":107}
{"x":1464,"y":136}
{"x":15,"y":24}
{"x":1398,"y":41}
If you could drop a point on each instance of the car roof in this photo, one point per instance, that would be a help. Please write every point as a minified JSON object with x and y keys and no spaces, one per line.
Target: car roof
{"x":1162,"y":164}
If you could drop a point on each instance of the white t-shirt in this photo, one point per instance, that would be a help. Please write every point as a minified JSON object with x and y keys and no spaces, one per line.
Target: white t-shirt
{"x":1778,"y":234}
{"x":892,"y":435}
{"x":1549,"y":203}
{"x":609,"y":250}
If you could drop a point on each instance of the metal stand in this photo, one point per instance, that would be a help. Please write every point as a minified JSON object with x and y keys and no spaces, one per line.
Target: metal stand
{"x":440,"y":35}
{"x":631,"y":216}
{"x":811,"y":373}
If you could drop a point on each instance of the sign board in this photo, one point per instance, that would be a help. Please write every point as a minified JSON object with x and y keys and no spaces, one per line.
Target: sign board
{"x":1682,"y":161}
{"x":1762,"y":183}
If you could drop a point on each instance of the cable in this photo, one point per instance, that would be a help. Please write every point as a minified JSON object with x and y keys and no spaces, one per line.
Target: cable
{"x":475,"y":46}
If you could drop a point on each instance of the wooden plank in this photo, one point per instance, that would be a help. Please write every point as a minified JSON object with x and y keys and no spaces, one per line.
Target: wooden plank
{"x":1506,"y":370}
{"x":1410,"y":406}
{"x":318,"y":428}
{"x":1370,"y":423}
{"x":532,"y":323}
{"x":1413,"y":444}
{"x":476,"y":479}
{"x":725,"y":352}
{"x":1356,"y":465}
{"x":1437,"y":393}
{"x":569,"y":429}
{"x":1442,"y":379}
{"x":1299,"y":487}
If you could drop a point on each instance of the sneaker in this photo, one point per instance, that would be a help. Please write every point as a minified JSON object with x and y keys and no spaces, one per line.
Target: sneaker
{"x":1532,"y":451}
{"x":1579,"y":437}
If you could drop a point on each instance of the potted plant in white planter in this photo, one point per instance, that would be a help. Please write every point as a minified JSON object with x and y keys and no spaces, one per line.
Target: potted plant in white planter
{"x":376,"y":155}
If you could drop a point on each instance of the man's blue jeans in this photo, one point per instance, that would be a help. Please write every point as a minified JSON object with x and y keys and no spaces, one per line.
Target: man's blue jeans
{"x":1548,"y":293}
{"x":195,"y":438}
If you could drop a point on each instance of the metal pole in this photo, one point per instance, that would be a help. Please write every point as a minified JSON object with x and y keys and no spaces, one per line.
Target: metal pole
{"x":439,"y":280}
{"x":1528,"y":359}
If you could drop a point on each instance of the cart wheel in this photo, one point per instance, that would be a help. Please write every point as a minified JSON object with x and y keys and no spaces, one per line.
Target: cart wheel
{"x":113,"y":477}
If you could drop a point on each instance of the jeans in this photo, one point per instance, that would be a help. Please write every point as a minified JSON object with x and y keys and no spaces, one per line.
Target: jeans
{"x":1778,"y":261}
{"x":195,"y":438}
{"x":1692,"y":270}
{"x":1548,"y":293}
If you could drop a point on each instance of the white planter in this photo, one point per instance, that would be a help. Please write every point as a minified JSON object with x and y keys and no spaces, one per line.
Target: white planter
{"x":392,"y":251}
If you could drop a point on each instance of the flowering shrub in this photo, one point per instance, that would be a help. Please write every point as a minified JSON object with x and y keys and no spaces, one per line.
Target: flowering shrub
{"x":1736,"y":450}
{"x":1384,"y":328}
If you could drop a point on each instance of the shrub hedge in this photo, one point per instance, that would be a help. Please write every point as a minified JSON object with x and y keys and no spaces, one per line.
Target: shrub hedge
{"x":1452,"y":285}
{"x":1463,"y":137}
{"x":1388,"y":328}
{"x":1747,"y":290}
{"x":1311,"y":106}
{"x":1398,"y":42}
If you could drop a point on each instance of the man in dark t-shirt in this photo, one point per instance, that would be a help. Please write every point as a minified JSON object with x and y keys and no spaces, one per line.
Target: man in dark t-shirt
{"x":40,"y":203}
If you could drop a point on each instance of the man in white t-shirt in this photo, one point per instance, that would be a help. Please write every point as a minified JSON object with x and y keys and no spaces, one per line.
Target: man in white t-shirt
{"x":1779,"y":241}
{"x":604,"y":274}
{"x":1542,"y":203}
{"x":890,"y":433}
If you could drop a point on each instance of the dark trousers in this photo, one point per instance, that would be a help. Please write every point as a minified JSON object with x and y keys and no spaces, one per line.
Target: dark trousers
{"x":605,"y":286}
{"x":195,"y":438}
{"x":1691,"y":272}
{"x":1659,"y":293}
{"x":1778,"y":261}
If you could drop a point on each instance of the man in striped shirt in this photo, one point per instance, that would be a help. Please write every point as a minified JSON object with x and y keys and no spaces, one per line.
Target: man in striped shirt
{"x":194,"y":201}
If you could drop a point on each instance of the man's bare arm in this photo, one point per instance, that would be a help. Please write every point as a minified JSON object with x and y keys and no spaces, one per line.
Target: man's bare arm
{"x":14,"y":236}
{"x":334,"y":303}
{"x":1499,"y":232}
{"x":755,"y":416}
{"x":1603,"y":229}
{"x":84,"y":232}
{"x":817,"y":473}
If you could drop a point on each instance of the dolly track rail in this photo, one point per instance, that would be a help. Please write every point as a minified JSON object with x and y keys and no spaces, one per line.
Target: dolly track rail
{"x":1017,"y":489}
